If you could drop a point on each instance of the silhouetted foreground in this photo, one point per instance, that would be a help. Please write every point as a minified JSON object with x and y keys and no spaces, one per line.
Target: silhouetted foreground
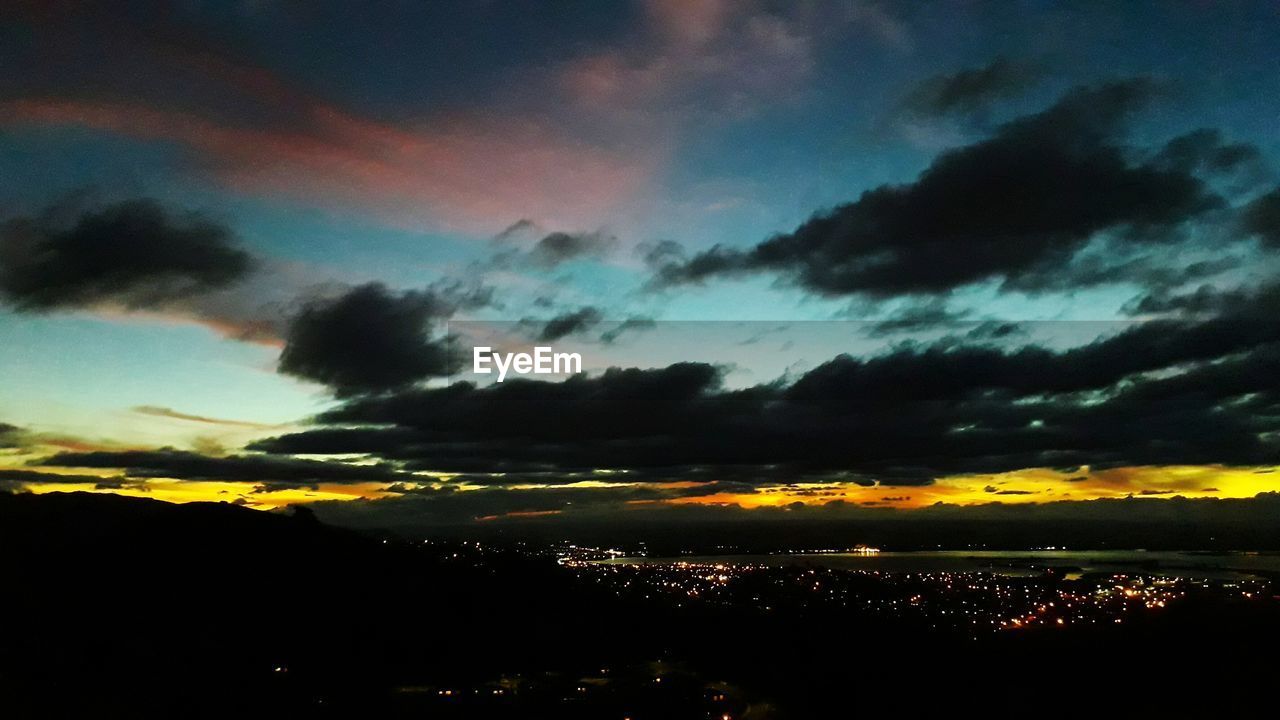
{"x":121,"y":607}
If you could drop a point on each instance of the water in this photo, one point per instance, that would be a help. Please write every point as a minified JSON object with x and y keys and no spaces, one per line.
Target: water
{"x":1015,"y":562}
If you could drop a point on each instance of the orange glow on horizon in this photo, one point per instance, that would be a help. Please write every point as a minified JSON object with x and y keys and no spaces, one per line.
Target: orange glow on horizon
{"x":241,"y":493}
{"x":1037,"y":485}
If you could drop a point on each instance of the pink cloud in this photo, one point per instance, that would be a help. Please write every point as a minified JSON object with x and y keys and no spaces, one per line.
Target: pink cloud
{"x":574,"y":144}
{"x":697,"y":60}
{"x":468,"y":174}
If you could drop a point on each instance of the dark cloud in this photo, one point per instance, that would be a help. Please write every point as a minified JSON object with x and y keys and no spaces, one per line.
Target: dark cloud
{"x":1156,"y":393}
{"x":450,"y":295}
{"x":515,"y":230}
{"x":369,"y":339}
{"x":559,"y":247}
{"x":269,"y":487}
{"x":140,"y":255}
{"x":1016,"y":207}
{"x":1207,"y":300}
{"x":928,"y":315}
{"x":725,"y":478}
{"x":1205,"y":150}
{"x":444,"y":506}
{"x":9,"y":435}
{"x":178,"y":464}
{"x":972,"y":89}
{"x":570,"y":323}
{"x":662,"y":253}
{"x":526,"y":244}
{"x":405,"y":489}
{"x":993,"y":331}
{"x":1149,"y":270}
{"x":631,"y":324}
{"x":17,"y":480}
{"x":1262,"y":218}
{"x":26,"y":477}
{"x":136,"y":254}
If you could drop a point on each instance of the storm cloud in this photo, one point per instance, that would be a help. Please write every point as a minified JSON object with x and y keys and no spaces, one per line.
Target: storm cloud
{"x":1262,"y":218}
{"x":570,"y":323}
{"x":1014,"y":208}
{"x":19,"y":477}
{"x":1206,"y":149}
{"x":182,"y":465}
{"x":369,"y":339}
{"x":1156,"y":393}
{"x":559,"y":247}
{"x":9,"y":435}
{"x":971,"y":89}
{"x":630,"y":325}
{"x":135,"y":254}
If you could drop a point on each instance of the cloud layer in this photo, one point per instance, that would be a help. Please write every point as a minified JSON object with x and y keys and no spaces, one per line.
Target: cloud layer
{"x":1156,"y":393}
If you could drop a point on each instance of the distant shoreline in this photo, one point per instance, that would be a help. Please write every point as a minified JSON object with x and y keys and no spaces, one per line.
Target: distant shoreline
{"x":1186,"y":564}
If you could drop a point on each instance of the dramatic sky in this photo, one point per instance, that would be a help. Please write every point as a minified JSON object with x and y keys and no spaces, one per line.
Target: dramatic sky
{"x":818,"y":257}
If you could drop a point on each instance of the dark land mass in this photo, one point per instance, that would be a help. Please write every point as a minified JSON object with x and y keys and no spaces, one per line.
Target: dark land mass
{"x":120,"y":607}
{"x":1255,"y":532}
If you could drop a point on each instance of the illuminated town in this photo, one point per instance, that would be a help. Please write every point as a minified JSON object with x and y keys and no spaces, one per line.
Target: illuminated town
{"x":979,"y":608}
{"x":973,"y":602}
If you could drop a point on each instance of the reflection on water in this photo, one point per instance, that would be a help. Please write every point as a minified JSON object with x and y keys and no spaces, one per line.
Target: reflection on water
{"x":1072,"y":563}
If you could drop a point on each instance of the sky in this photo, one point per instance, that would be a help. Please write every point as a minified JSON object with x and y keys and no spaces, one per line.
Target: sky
{"x":818,"y":257}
